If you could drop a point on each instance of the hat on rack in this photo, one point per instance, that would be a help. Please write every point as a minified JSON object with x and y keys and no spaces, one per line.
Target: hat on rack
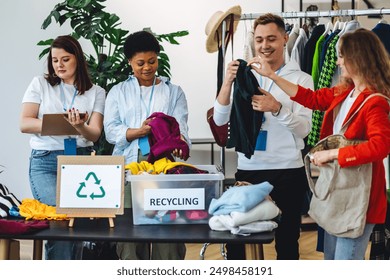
{"x":215,"y":24}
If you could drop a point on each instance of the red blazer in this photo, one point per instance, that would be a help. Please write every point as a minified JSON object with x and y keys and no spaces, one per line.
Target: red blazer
{"x":370,"y":123}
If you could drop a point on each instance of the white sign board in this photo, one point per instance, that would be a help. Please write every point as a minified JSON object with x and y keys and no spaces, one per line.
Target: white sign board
{"x":90,"y":186}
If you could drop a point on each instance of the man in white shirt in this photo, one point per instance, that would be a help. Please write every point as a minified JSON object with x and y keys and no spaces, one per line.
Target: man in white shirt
{"x":277,"y":157}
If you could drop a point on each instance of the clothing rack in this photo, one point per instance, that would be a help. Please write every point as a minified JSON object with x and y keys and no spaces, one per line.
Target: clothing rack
{"x":330,"y":13}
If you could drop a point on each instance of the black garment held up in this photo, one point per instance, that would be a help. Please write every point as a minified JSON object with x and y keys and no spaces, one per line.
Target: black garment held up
{"x":245,"y":122}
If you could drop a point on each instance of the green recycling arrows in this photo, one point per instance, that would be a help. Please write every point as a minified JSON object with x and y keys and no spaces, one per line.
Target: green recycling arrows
{"x":82,"y":188}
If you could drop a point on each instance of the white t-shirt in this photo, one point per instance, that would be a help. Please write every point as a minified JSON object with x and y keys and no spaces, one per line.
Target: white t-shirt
{"x":49,"y":98}
{"x":344,"y":109}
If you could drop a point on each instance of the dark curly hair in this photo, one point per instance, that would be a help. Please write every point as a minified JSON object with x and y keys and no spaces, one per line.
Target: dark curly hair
{"x":141,"y":41}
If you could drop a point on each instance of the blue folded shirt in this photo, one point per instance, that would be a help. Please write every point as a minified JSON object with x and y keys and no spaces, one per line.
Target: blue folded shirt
{"x":240,"y":199}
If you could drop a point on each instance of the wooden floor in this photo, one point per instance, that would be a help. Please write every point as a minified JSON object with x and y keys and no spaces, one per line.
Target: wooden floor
{"x":307,"y":248}
{"x":308,"y":243}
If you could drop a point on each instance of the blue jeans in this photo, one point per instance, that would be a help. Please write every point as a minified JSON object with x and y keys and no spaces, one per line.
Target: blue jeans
{"x":43,"y":184}
{"x":343,"y":248}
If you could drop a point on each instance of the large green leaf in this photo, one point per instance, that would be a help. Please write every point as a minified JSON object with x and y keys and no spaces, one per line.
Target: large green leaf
{"x":78,"y":3}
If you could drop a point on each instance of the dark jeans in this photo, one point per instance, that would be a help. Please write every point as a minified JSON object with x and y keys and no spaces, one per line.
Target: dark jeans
{"x":288,"y":194}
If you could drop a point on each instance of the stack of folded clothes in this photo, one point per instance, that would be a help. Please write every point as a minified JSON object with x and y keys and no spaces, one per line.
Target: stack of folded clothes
{"x":243,"y":210}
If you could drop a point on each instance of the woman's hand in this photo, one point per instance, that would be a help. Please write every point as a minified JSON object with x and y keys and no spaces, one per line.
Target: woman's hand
{"x":178,"y":152}
{"x":75,"y":119}
{"x":145,"y":128}
{"x":261,"y":66}
{"x":322,"y":157}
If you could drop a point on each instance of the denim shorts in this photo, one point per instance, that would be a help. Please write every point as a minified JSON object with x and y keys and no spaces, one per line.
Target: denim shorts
{"x":43,"y":173}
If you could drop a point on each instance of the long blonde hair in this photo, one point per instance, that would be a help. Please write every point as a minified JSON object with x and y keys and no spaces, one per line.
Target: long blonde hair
{"x":365,"y":55}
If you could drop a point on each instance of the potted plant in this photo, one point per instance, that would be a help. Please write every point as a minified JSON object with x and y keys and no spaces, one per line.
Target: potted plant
{"x":107,"y":65}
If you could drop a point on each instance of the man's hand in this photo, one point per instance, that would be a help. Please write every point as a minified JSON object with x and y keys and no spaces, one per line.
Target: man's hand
{"x":265,"y":102}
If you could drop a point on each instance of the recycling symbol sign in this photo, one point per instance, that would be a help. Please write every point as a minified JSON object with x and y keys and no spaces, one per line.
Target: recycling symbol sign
{"x":90,"y":186}
{"x":82,"y":191}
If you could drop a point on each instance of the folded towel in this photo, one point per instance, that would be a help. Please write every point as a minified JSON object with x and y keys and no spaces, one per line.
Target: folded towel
{"x":265,"y":210}
{"x":240,"y":199}
{"x":255,"y":227}
{"x":223,"y":223}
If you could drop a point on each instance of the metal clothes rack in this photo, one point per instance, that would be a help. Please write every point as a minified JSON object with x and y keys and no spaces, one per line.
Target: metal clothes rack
{"x":305,"y":14}
{"x":330,"y":13}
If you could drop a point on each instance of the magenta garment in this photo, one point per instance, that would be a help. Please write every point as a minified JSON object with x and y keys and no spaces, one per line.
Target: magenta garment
{"x":21,"y":226}
{"x":165,"y":138}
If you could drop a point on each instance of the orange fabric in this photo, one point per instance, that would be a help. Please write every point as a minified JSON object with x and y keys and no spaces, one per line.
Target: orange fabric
{"x":32,"y":209}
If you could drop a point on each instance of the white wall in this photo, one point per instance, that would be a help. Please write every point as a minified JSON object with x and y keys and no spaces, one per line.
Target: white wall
{"x":191,"y":66}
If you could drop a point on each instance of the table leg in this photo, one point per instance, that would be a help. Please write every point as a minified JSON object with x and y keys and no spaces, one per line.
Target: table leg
{"x":37,"y":249}
{"x":254,"y":251}
{"x":4,"y":249}
{"x":212,"y":153}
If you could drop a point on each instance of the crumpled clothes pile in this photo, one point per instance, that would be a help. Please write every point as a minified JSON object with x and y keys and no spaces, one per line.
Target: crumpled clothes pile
{"x":21,"y":227}
{"x":32,"y":209}
{"x":162,"y":165}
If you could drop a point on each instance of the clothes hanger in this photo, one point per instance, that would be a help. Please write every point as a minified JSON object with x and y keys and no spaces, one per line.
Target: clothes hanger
{"x":295,"y":26}
{"x":337,"y":24}
{"x":382,"y":19}
{"x":328,"y":27}
{"x":344,"y":26}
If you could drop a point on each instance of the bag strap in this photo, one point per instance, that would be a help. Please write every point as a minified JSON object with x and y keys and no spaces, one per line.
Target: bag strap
{"x":345,"y":125}
{"x":222,"y":46}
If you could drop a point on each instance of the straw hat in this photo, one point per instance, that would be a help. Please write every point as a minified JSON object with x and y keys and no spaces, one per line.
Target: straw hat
{"x":215,"y":23}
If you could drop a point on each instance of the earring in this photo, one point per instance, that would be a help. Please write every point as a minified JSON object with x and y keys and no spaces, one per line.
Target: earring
{"x":54,"y":75}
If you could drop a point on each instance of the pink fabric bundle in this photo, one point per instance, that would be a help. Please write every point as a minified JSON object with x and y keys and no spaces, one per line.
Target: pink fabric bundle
{"x":165,"y":138}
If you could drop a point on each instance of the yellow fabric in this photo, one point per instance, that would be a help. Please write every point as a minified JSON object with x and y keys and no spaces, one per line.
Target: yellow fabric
{"x":32,"y":209}
{"x":160,"y":166}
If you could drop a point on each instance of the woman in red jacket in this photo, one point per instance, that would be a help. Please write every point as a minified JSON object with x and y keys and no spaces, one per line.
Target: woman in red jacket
{"x":365,"y":69}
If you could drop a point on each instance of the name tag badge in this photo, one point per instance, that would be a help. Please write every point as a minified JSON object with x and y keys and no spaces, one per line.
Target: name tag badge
{"x":70,"y":147}
{"x":144,"y":146}
{"x":261,"y":142}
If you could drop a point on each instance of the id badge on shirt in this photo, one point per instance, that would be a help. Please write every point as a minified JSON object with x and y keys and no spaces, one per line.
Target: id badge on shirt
{"x":70,"y":147}
{"x":261,"y":142}
{"x":144,"y":146}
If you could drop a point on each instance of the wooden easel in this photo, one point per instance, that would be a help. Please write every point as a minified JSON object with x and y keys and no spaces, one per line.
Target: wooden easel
{"x":110,"y":220}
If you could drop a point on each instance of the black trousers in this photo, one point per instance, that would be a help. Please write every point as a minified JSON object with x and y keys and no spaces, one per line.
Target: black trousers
{"x":288,"y":194}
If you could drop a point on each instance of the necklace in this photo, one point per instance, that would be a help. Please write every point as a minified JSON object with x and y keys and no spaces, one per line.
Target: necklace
{"x":355,"y":92}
